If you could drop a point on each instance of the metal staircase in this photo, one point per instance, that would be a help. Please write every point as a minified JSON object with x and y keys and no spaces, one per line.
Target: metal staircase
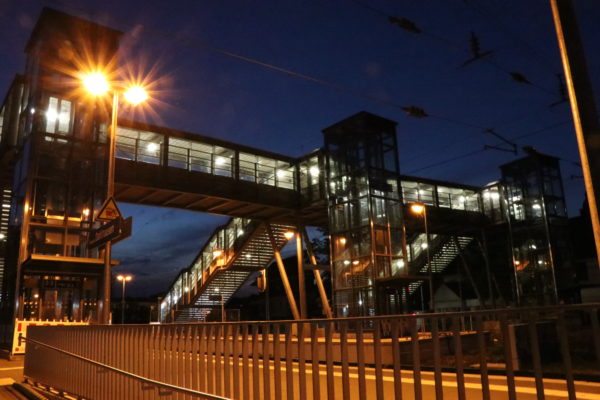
{"x":233,"y":253}
{"x":442,"y":249}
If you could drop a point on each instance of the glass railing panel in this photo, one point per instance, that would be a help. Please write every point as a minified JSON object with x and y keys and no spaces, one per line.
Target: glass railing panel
{"x":125,"y":148}
{"x":286,"y":178}
{"x":223,"y":161}
{"x":141,"y":146}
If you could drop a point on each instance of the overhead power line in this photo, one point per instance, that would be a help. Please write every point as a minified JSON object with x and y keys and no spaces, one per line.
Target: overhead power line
{"x":474,"y":152}
{"x":477,"y":54}
{"x":410,"y":110}
{"x":517,"y":39}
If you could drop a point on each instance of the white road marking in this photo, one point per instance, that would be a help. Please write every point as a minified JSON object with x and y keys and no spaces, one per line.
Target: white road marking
{"x":6,"y":381}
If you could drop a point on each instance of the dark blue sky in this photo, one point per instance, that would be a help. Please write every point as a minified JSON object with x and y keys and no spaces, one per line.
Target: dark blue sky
{"x":347,"y":43}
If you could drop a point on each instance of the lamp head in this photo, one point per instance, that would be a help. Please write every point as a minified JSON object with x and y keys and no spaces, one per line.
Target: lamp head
{"x":95,"y":83}
{"x":417,"y":208}
{"x":136,"y":95}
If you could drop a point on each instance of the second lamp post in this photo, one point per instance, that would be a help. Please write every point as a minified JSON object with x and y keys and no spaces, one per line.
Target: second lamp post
{"x":96,"y":83}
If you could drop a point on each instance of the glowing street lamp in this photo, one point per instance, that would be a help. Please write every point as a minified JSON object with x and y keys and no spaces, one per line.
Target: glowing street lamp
{"x":96,"y":84}
{"x":124,"y":279}
{"x":420,"y":209}
{"x":288,"y":235}
{"x":136,"y":95}
{"x":417,"y":208}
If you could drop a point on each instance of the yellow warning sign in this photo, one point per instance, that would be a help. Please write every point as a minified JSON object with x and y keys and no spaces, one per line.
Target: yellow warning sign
{"x":109,"y":211}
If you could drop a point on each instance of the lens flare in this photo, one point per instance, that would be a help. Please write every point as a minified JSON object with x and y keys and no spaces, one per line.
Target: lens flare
{"x":136,"y":95}
{"x":95,"y":83}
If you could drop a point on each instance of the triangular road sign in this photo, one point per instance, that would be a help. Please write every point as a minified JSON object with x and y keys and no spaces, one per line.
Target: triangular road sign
{"x":109,"y":211}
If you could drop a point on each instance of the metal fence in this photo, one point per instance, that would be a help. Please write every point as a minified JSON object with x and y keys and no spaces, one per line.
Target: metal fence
{"x":484,"y":354}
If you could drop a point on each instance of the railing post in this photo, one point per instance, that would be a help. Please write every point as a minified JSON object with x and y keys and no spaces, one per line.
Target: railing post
{"x":165,"y":152}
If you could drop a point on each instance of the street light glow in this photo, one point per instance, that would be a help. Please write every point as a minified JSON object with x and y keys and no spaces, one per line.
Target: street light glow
{"x":136,"y":95}
{"x":125,"y":278}
{"x":288,"y":235}
{"x":417,"y":208}
{"x":217,"y":253}
{"x":95,"y":83}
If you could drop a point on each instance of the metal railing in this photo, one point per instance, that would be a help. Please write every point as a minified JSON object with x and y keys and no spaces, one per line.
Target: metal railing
{"x":505,"y":353}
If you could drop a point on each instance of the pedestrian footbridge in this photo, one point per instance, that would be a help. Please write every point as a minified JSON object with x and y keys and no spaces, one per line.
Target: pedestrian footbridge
{"x":267,"y":194}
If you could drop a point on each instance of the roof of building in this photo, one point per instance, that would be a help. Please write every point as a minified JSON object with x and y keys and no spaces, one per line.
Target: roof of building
{"x":51,"y":19}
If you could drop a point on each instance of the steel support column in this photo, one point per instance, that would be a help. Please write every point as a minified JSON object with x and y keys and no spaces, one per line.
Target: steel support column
{"x":283,"y":274}
{"x":301,"y":282}
{"x":468,"y":270}
{"x":317,"y":273}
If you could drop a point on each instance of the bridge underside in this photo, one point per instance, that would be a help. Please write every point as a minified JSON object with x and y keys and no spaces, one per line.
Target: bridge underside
{"x":154,"y":185}
{"x":446,"y":221}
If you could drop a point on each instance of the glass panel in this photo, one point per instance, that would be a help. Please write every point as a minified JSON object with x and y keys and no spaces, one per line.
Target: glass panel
{"x":149,"y":147}
{"x":52,"y":115}
{"x":247,"y":167}
{"x":410,"y":192}
{"x":64,"y":117}
{"x":223,"y":161}
{"x":139,"y":145}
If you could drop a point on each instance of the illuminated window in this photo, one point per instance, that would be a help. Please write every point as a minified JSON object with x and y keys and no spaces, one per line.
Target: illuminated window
{"x":58,"y":116}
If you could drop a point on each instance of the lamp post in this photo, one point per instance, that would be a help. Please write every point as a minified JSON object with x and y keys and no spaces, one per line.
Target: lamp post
{"x":96,"y":84}
{"x":124,"y":279}
{"x":421,"y":209}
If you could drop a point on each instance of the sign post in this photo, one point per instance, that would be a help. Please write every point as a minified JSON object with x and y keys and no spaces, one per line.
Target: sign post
{"x":114,"y":230}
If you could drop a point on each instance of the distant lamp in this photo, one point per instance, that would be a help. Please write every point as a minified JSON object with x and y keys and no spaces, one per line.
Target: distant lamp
{"x":125,"y":278}
{"x":217,"y":253}
{"x":342,"y":240}
{"x":86,"y":212}
{"x":288,"y":235}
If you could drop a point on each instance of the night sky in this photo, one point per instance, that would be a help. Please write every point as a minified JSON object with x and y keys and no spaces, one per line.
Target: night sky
{"x":312,"y":63}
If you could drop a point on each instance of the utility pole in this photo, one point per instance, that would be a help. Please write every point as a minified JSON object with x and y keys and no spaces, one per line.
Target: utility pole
{"x":583,"y":107}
